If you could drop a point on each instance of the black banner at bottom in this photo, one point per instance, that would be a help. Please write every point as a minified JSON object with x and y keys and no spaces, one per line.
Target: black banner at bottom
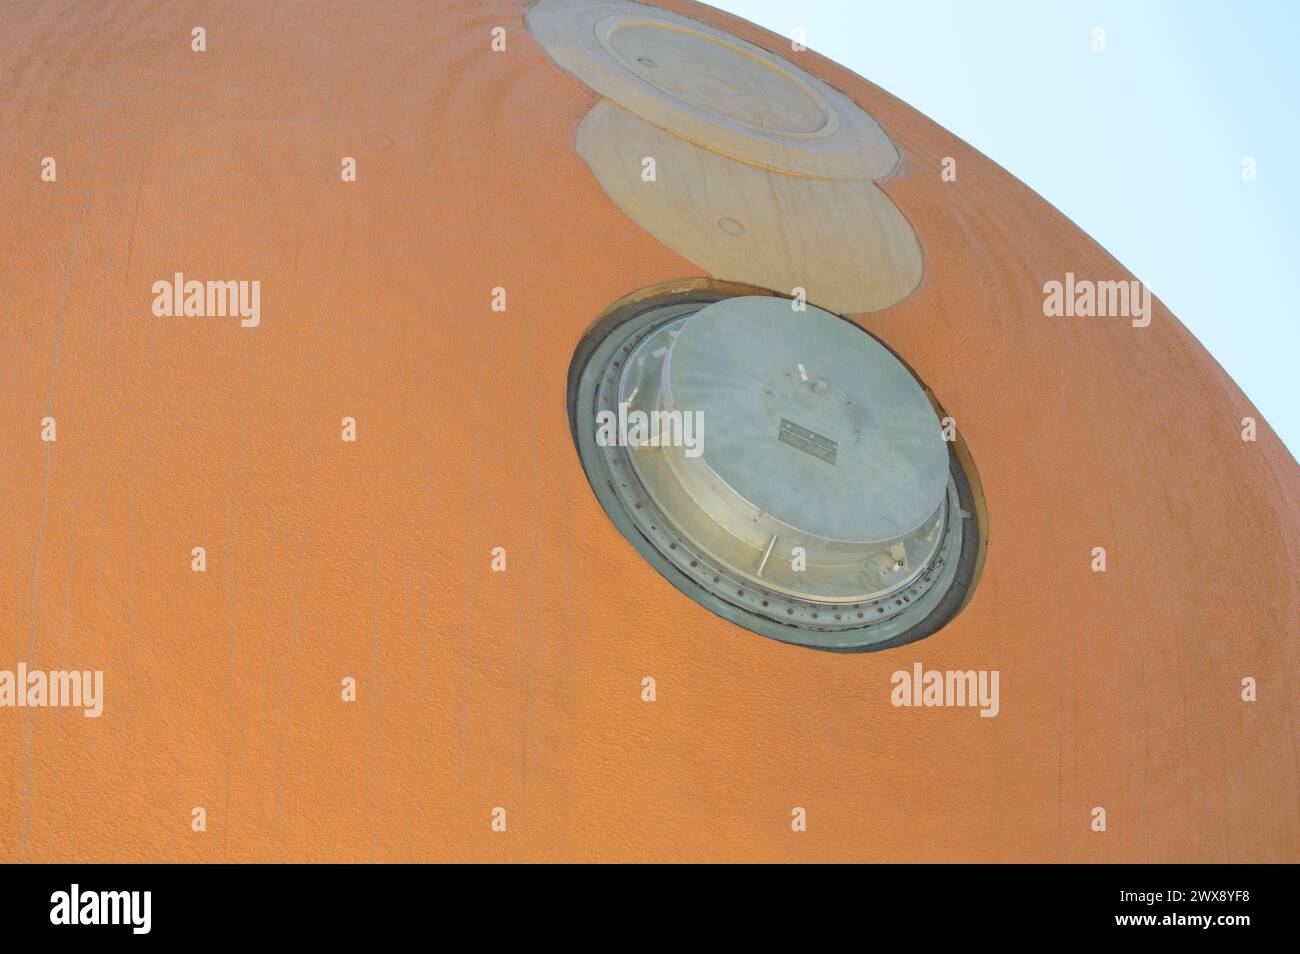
{"x":90,"y":904}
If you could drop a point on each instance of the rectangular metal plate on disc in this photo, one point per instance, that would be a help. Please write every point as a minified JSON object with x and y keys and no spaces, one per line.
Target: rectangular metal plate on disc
{"x":810,"y":442}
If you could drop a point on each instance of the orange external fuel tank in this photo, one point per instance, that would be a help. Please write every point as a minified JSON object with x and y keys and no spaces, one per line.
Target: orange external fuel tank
{"x":293,"y":336}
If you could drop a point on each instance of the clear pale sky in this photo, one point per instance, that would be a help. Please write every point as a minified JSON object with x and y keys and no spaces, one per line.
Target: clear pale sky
{"x":1141,"y":146}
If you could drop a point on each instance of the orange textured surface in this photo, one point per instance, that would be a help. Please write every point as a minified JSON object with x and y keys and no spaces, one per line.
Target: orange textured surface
{"x":521,"y":689}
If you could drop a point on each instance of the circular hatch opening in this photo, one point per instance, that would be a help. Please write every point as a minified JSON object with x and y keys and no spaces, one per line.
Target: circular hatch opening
{"x":778,"y":465}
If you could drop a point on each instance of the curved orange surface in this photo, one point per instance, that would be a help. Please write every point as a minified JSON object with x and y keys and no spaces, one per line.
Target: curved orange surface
{"x":522,"y":689}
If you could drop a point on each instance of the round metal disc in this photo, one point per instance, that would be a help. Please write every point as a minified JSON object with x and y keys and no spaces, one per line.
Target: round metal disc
{"x":808,"y":420}
{"x":808,"y":453}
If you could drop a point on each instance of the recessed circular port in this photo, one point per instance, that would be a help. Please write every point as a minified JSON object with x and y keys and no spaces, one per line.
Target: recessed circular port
{"x":777,"y":464}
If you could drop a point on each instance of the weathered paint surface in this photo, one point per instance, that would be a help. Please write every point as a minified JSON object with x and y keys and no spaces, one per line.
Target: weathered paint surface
{"x":371,"y":559}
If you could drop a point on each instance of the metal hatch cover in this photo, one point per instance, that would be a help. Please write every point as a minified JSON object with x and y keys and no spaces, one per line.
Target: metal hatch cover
{"x":821,"y":505}
{"x":747,"y":364}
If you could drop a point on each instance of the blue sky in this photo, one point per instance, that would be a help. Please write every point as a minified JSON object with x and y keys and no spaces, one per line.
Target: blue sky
{"x":1141,"y":145}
